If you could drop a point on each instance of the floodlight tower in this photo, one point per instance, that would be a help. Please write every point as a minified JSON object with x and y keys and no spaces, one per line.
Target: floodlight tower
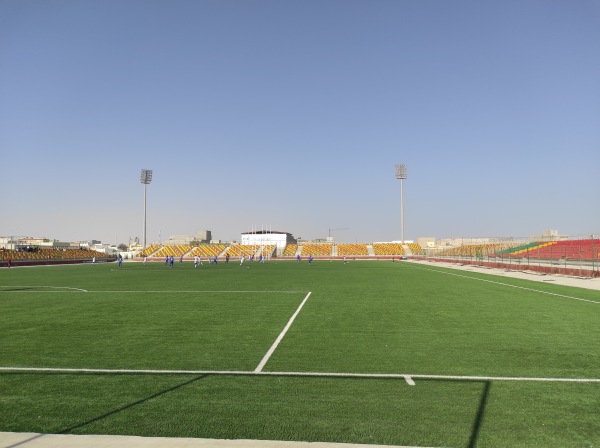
{"x":401,"y":174}
{"x":145,"y":178}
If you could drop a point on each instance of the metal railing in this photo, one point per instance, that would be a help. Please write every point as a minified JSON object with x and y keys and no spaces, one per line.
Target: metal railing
{"x":572,"y":253}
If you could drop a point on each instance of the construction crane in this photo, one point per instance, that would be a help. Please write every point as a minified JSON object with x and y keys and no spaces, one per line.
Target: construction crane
{"x":330,"y":229}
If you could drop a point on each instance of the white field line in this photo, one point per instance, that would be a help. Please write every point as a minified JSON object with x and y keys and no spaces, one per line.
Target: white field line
{"x":404,"y":376}
{"x":280,"y":337}
{"x":6,"y":288}
{"x":409,"y":380}
{"x":205,"y":291}
{"x":506,"y":284}
{"x":62,"y":288}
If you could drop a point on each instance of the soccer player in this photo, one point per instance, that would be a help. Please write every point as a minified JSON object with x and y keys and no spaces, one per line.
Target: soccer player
{"x":171,"y":261}
{"x":120,"y":261}
{"x":167,"y":260}
{"x":310,"y":259}
{"x":144,"y":260}
{"x":298,"y":258}
{"x":242,"y":260}
{"x":195,"y":261}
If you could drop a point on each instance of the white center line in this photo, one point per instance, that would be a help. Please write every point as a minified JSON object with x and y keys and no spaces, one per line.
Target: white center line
{"x":261,"y":365}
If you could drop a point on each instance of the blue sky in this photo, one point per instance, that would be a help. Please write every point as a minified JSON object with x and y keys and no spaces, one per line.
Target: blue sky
{"x":292,"y":115}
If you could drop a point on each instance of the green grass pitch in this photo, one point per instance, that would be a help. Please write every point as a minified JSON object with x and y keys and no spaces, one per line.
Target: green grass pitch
{"x":215,"y":324}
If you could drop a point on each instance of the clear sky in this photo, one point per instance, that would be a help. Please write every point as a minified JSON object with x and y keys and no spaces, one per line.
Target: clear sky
{"x":292,"y":114}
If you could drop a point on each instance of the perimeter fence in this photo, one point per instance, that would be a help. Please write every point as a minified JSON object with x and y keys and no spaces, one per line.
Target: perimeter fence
{"x":578,"y":253}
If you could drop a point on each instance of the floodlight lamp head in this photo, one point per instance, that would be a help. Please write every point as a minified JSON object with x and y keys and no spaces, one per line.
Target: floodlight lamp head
{"x":401,"y":171}
{"x":146,"y":177}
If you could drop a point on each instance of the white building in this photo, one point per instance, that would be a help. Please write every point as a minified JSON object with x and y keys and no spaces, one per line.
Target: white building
{"x":268,"y":237}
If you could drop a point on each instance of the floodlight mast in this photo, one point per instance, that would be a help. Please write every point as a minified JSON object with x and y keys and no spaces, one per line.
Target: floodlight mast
{"x":145,"y":178}
{"x":401,"y":174}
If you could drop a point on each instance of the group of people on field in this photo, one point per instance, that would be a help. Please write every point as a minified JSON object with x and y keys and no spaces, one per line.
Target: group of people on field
{"x":170,"y":260}
{"x":299,"y":258}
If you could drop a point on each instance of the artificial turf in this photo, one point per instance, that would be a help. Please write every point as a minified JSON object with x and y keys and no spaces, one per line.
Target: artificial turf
{"x":361,"y":317}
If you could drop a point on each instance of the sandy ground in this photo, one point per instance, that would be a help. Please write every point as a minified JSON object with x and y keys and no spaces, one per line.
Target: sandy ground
{"x":33,"y":440}
{"x":578,"y":282}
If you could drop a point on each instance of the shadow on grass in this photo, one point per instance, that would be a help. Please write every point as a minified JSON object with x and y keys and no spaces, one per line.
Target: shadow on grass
{"x":472,"y":443}
{"x":114,"y":411}
{"x":480,"y":413}
{"x":130,"y":405}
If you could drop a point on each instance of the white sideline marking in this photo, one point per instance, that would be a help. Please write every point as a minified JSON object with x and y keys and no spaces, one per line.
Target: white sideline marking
{"x":506,"y":284}
{"x":281,"y":335}
{"x":409,"y":380}
{"x":5,"y":288}
{"x":403,"y":376}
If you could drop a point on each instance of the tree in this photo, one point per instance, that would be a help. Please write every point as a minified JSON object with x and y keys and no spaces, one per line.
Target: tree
{"x":122,"y":247}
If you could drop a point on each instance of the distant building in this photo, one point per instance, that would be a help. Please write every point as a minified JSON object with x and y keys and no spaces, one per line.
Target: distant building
{"x":105,"y":249}
{"x":549,"y":235}
{"x":7,"y":242}
{"x":26,"y":243}
{"x":426,"y":242}
{"x":203,"y":237}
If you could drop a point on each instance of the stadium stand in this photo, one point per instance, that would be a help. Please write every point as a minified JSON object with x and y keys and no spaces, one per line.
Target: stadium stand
{"x":175,"y":251}
{"x":568,"y":249}
{"x":52,"y":254}
{"x":208,"y":250}
{"x":474,"y":250}
{"x":416,"y":249}
{"x":290,"y":250}
{"x":317,"y":249}
{"x":388,"y":249}
{"x":267,"y":250}
{"x":149,"y":251}
{"x":237,"y":250}
{"x":517,"y":250}
{"x":352,"y":249}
